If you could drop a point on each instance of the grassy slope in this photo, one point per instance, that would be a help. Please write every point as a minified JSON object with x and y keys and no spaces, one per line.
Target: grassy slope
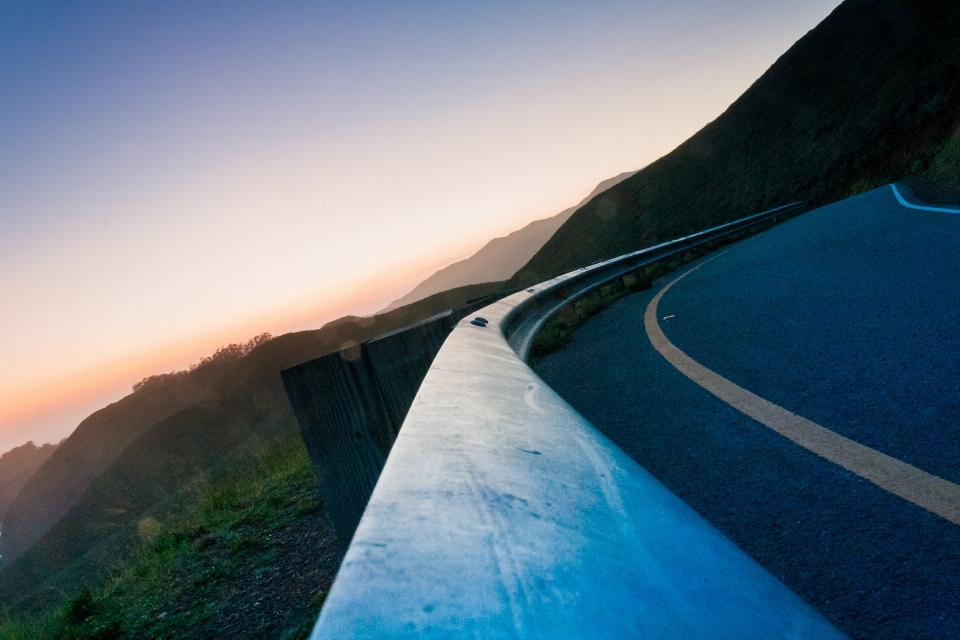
{"x":246,"y":410}
{"x":940,"y":182}
{"x":249,"y":554}
{"x":870,"y":96}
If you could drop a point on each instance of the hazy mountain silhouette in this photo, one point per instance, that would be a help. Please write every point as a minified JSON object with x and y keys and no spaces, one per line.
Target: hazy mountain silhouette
{"x":17,"y":466}
{"x":127,"y":467}
{"x":870,"y":96}
{"x":97,"y":441}
{"x":500,"y":258}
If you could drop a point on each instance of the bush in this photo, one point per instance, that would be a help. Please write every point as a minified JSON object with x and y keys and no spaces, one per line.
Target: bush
{"x":80,"y":608}
{"x":229,"y":353}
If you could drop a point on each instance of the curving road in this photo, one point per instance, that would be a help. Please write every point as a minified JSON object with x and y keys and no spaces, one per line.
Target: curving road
{"x":847,"y":319}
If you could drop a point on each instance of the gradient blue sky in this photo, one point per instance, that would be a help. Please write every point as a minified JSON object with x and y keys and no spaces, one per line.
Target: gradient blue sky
{"x":175,"y":176}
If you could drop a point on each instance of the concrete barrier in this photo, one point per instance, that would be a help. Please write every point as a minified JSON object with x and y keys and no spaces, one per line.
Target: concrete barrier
{"x":502,"y":513}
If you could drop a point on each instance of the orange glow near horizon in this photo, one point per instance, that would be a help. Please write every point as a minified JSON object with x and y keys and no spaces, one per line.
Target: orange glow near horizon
{"x":286,"y":164}
{"x":32,"y":401}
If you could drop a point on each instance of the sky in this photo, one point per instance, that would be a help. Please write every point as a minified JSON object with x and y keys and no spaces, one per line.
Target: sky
{"x":176,"y":176}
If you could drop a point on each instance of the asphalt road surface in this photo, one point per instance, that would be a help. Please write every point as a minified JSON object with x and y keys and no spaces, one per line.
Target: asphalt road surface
{"x":848,"y":316}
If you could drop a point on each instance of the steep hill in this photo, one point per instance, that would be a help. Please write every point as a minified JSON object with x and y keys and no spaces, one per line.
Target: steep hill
{"x":870,"y":96}
{"x":16,"y":467}
{"x":501,"y":257}
{"x":245,"y":410}
{"x":97,"y":441}
{"x":256,"y":533}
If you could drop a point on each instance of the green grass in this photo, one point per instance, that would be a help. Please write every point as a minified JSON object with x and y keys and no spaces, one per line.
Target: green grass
{"x":219,"y":543}
{"x":940,"y":183}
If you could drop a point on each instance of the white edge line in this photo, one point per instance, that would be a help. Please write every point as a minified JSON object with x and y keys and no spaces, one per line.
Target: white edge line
{"x":910,"y":205}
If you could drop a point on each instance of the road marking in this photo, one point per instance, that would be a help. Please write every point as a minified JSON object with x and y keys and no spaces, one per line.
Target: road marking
{"x":896,"y":192}
{"x":925,"y":490}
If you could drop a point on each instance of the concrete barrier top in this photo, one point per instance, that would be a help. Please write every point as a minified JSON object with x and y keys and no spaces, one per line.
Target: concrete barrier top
{"x":502,"y":513}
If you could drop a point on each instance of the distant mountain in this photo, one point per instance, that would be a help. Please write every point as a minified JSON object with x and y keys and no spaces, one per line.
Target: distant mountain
{"x":16,"y":467}
{"x":500,"y":258}
{"x":124,"y":464}
{"x":870,"y":96}
{"x":57,"y":485}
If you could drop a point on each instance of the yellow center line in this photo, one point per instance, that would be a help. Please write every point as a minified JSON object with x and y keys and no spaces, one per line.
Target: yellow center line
{"x":925,"y":490}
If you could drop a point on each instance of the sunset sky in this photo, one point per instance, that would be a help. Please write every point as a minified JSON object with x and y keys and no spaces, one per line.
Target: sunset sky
{"x":175,"y":176}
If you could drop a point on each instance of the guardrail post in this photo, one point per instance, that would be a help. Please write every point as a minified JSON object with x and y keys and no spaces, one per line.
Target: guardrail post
{"x":346,"y":428}
{"x":401,"y":360}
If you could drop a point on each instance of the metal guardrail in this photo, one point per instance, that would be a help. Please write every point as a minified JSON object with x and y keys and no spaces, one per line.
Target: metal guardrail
{"x":350,"y":405}
{"x":502,"y":513}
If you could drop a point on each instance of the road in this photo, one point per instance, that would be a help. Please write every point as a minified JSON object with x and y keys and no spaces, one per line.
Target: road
{"x":848,"y":319}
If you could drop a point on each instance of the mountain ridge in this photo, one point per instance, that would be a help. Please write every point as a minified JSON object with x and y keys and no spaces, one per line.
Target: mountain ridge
{"x":17,"y":466}
{"x":501,"y":257}
{"x":53,"y":489}
{"x":244,"y":410}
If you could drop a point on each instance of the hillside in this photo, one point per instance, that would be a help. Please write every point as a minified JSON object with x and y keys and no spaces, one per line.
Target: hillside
{"x":91,"y":448}
{"x":249,"y":554}
{"x":870,"y":96}
{"x":16,"y":467}
{"x":245,"y":411}
{"x":500,"y":258}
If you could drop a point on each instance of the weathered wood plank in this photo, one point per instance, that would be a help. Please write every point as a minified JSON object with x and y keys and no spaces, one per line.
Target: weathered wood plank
{"x":346,"y":429}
